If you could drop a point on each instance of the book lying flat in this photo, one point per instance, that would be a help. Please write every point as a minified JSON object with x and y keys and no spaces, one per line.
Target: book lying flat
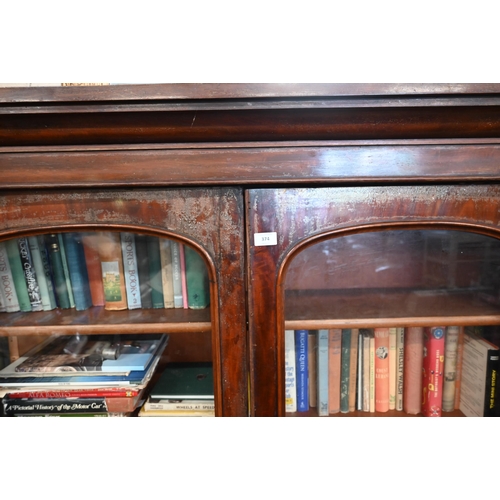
{"x":79,"y":379}
{"x":184,"y":381}
{"x":86,"y":355}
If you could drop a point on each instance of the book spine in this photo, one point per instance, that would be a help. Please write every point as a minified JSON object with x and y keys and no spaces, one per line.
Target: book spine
{"x":75,"y":393}
{"x":155,"y":273}
{"x":93,"y":262}
{"x":141,"y":248}
{"x":166,"y":273}
{"x":16,"y":268}
{"x":345,"y":365}
{"x":334,"y":367}
{"x":2,"y":301}
{"x":113,"y":279}
{"x":382,"y":368}
{"x":353,"y":364}
{"x":7,"y":281}
{"x":450,"y":367}
{"x":290,"y":373}
{"x":77,"y":268}
{"x":372,"y":372}
{"x":176,"y":270}
{"x":359,"y":395}
{"x":198,"y":289}
{"x":433,"y":367}
{"x":400,"y":353}
{"x":36,"y":256}
{"x":366,"y":371}
{"x":30,"y":277}
{"x":491,"y":392}
{"x":322,"y":373}
{"x":301,"y":369}
{"x":130,"y":270}
{"x":182,"y":258}
{"x":312,"y":359}
{"x":413,"y":360}
{"x":47,"y":270}
{"x":180,"y":406}
{"x":61,"y":288}
{"x":54,"y":406}
{"x":392,"y":368}
{"x":64,"y":260}
{"x":458,"y":373}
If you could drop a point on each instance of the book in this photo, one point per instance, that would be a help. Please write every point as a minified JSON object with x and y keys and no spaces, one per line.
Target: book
{"x":167,"y":273}
{"x":322,"y":371}
{"x":359,"y":381}
{"x":312,"y":360}
{"x":458,"y":370}
{"x":130,"y":270}
{"x":7,"y":281}
{"x":184,"y":381}
{"x":413,"y":365}
{"x":301,"y":368}
{"x":16,"y":268}
{"x":353,"y":365}
{"x":60,"y":284}
{"x":112,"y":354}
{"x":290,"y":373}
{"x":175,"y":413}
{"x":64,"y":260}
{"x":77,"y":268}
{"x":181,"y":405}
{"x":184,"y":292}
{"x":113,"y":278}
{"x":65,"y":392}
{"x":381,"y":365}
{"x":372,"y":371}
{"x":94,"y":271}
{"x":400,"y":350}
{"x":155,"y":272}
{"x":198,"y":290}
{"x":141,"y":248}
{"x":480,"y":365}
{"x":55,"y":406}
{"x":450,"y":367}
{"x":43,"y":284}
{"x":433,"y":371}
{"x":176,"y":274}
{"x":366,"y":333}
{"x":334,"y":367}
{"x":345,"y":367}
{"x":35,"y":296}
{"x":392,"y":367}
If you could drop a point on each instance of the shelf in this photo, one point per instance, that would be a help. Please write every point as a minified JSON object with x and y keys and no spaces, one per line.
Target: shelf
{"x":98,"y":320}
{"x":390,"y":413}
{"x":315,"y":309}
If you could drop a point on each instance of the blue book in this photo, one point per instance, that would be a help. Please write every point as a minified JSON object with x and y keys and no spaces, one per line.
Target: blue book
{"x":77,"y":267}
{"x":322,"y":373}
{"x":301,"y":367}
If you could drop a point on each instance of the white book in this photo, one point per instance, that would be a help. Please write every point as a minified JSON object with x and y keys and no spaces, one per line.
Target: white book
{"x":290,"y":374}
{"x":167,"y":272}
{"x":7,"y":282}
{"x":40,"y":272}
{"x":130,"y":270}
{"x":400,"y":350}
{"x":322,"y":371}
{"x":181,"y":405}
{"x":176,"y":274}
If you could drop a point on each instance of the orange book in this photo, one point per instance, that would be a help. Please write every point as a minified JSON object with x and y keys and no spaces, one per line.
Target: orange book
{"x":93,"y":269}
{"x":433,"y":371}
{"x":413,"y":365}
{"x":382,"y":384}
{"x":334,"y":358}
{"x":113,"y":277}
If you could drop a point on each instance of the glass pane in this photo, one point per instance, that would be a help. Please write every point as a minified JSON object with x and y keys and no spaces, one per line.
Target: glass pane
{"x":359,"y":309}
{"x":106,"y":318}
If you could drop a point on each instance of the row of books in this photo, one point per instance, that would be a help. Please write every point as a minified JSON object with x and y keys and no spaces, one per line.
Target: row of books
{"x":110,"y":269}
{"x":79,"y":375}
{"x":418,"y":370}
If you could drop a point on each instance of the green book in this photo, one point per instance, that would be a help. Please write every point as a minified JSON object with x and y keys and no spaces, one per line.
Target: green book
{"x":16,"y":268}
{"x":155,"y":277}
{"x":184,"y":381}
{"x":58,"y":271}
{"x":345,"y":365}
{"x":198,"y":290}
{"x":64,"y":260}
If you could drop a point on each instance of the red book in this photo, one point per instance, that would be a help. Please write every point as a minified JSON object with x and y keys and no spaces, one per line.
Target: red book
{"x":381,"y":369}
{"x":433,"y":370}
{"x":107,"y":392}
{"x":413,"y":358}
{"x":334,"y":358}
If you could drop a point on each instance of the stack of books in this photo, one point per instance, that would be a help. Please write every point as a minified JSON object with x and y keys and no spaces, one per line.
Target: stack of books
{"x":114,"y":270}
{"x":182,"y":390}
{"x":418,"y":370}
{"x":81,"y":375}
